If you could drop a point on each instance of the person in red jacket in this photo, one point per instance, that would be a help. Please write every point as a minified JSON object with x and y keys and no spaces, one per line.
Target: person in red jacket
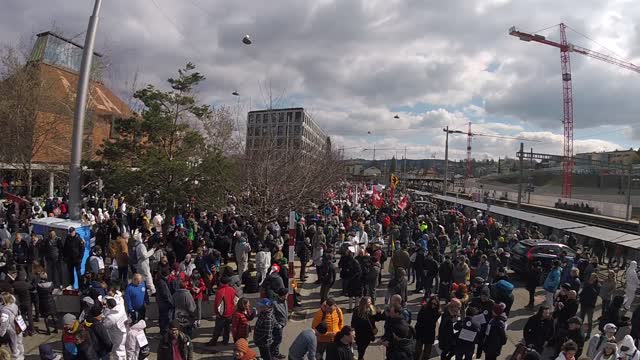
{"x":223,"y":307}
{"x":198,"y":289}
{"x":240,"y":327}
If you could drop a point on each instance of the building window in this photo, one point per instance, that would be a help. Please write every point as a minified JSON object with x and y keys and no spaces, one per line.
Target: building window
{"x":296,"y":130}
{"x":265,"y":130}
{"x":258,"y":117}
{"x":298,"y":116}
{"x":274,"y":117}
{"x":280,"y":130}
{"x":289,"y":116}
{"x":251,"y":118}
{"x":250,"y":130}
{"x":281,"y":117}
{"x":265,"y":118}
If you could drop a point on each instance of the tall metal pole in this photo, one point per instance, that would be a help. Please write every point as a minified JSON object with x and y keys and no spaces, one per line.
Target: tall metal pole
{"x":78,"y":119}
{"x":404,"y":170}
{"x":446,"y":161}
{"x":521,"y":156}
{"x":628,"y":214}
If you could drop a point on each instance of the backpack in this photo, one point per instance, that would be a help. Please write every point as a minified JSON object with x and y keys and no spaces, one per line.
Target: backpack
{"x":505,"y":286}
{"x":133,"y":256}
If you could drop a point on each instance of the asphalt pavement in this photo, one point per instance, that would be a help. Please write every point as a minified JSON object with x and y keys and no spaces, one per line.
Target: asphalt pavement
{"x":300,"y":319}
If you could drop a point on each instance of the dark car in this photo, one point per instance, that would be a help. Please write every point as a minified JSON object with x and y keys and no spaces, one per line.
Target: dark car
{"x":528,"y":251}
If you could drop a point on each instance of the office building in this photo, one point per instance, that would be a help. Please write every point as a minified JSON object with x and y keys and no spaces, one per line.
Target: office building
{"x":291,"y":128}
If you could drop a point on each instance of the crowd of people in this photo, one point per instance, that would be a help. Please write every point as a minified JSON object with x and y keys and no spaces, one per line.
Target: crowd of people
{"x":457,"y":262}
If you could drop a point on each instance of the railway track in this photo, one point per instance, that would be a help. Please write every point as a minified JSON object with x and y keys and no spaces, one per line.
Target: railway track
{"x":631,"y":227}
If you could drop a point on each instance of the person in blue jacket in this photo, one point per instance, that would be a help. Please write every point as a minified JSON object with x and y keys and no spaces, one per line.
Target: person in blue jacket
{"x":552,"y":282}
{"x":136,"y":298}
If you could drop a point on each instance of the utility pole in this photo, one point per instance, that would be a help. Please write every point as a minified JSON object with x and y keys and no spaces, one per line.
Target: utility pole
{"x":75,"y":168}
{"x":521,"y":156}
{"x":446,"y":162}
{"x":404,"y":166}
{"x":628,"y":213}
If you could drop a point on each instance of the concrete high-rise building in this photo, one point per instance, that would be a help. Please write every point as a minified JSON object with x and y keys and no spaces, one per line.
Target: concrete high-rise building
{"x":290,"y":128}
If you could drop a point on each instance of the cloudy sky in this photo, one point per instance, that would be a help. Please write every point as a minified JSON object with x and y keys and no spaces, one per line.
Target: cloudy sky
{"x":356,"y":64}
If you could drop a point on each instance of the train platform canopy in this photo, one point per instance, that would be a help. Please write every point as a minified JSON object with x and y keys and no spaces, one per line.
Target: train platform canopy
{"x":593,"y":232}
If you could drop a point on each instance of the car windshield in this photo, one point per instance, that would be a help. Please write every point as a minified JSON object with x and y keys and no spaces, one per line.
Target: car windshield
{"x":555,"y":250}
{"x":520,"y":248}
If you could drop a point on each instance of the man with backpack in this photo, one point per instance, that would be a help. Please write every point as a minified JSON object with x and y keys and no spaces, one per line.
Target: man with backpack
{"x":100,"y":339}
{"x":223,"y":306}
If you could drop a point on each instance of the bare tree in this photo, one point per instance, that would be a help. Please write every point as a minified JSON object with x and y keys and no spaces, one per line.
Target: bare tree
{"x":221,"y":131}
{"x":276,"y":178}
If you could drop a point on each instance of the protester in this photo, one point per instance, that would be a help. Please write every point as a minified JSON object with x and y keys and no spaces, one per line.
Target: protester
{"x":175,"y":345}
{"x":552,"y":282}
{"x":142,"y":255}
{"x":12,"y":325}
{"x":496,"y":334}
{"x":133,"y":340}
{"x":136,"y":298}
{"x":363,"y":322}
{"x":100,"y":340}
{"x":46,"y":303}
{"x":51,"y":248}
{"x":263,"y":335}
{"x":539,"y":329}
{"x":240,"y":327}
{"x":119,"y":251}
{"x":242,"y":351}
{"x":73,"y":251}
{"x":331,"y":316}
{"x":115,"y":317}
{"x":184,"y":308}
{"x":449,"y":328}
{"x":426,"y":327}
{"x":588,"y":298}
{"x":606,"y":289}
{"x":305,"y":344}
{"x":340,"y":348}
{"x":597,"y":342}
{"x":632,"y":285}
{"x":223,"y":307}
{"x":281,"y":313}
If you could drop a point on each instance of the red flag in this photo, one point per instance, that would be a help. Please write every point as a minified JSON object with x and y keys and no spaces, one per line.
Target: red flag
{"x":403,"y":203}
{"x":376,"y":198}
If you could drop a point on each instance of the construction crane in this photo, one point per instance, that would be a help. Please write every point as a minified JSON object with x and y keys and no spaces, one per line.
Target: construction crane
{"x":470,"y":135}
{"x":567,"y":92}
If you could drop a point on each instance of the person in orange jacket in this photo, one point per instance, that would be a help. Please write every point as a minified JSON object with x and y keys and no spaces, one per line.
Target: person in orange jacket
{"x":331,"y":315}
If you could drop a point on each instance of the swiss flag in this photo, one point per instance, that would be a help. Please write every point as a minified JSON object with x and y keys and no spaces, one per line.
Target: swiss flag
{"x":403,"y":203}
{"x":377,"y":198}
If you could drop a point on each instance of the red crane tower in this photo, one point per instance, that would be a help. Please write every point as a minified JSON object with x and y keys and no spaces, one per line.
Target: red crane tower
{"x":469,"y":151}
{"x":567,"y":94}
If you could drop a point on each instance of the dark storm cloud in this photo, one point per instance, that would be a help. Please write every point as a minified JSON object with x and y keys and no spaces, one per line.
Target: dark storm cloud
{"x":351,"y":61}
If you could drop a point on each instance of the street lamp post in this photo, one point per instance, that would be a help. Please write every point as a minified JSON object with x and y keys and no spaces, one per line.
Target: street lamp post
{"x":446,"y":157}
{"x":75,"y":196}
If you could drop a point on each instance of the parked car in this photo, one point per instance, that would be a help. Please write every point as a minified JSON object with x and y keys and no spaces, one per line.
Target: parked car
{"x":528,"y":251}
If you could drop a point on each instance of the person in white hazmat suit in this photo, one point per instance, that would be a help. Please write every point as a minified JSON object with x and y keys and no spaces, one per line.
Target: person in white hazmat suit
{"x":115,"y":323}
{"x":263,"y":263}
{"x":242,"y":251}
{"x":632,"y":285}
{"x":8,"y":314}
{"x":143,"y":267}
{"x":627,"y":349}
{"x":136,"y":339}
